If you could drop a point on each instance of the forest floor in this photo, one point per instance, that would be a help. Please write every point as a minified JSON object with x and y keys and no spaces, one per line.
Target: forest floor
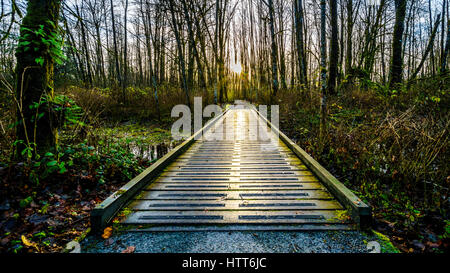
{"x":47,"y":215}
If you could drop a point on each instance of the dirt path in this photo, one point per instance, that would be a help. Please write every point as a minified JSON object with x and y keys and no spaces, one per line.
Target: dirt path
{"x":233,"y":242}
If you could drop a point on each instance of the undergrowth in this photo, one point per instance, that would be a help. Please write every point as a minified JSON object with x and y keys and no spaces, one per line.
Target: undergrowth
{"x":390,"y":148}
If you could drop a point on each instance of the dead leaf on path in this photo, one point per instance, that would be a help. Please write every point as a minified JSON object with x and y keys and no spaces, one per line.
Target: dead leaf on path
{"x":28,"y":243}
{"x":129,"y":249}
{"x":109,"y":242}
{"x":107,"y":233}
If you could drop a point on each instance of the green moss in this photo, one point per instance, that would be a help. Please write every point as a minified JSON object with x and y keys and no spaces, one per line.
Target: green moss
{"x":341,"y":215}
{"x":142,"y":193}
{"x":125,"y":212}
{"x":119,"y":193}
{"x":386,"y":244}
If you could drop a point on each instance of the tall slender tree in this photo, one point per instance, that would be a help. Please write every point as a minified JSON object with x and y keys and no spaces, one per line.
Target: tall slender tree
{"x":349,"y":49}
{"x":125,"y":53}
{"x":301,"y":56}
{"x":396,"y":69}
{"x":181,"y":60}
{"x":446,"y":50}
{"x":323,"y":71}
{"x":274,"y":53}
{"x":334,"y":49}
{"x":116,"y":50}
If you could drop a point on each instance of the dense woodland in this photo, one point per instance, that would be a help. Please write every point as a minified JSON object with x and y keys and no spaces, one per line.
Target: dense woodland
{"x":86,"y":87}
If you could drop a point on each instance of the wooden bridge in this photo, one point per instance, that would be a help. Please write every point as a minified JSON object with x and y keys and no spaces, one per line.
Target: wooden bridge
{"x":257,"y":178}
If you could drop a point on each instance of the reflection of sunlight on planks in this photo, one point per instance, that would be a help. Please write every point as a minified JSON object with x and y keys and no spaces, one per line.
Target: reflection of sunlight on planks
{"x":240,"y":173}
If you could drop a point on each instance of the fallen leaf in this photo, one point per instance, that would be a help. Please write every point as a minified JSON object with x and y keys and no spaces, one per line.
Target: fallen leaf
{"x":432,"y":245}
{"x":129,"y":249}
{"x":109,"y":242}
{"x":28,"y":243}
{"x":107,"y":233}
{"x":4,"y":241}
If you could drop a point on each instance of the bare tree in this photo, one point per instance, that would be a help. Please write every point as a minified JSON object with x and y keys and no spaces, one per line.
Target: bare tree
{"x":299,"y":25}
{"x":395,"y":74}
{"x":323,"y":72}
{"x":334,"y":49}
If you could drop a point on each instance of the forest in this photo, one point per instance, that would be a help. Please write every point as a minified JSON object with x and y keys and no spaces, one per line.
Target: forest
{"x":87,"y":88}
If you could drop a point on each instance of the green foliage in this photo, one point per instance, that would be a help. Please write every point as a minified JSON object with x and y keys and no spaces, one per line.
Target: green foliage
{"x":25,"y":202}
{"x":64,"y":112}
{"x":113,"y":163}
{"x":388,"y":146}
{"x":45,"y":41}
{"x":446,"y":234}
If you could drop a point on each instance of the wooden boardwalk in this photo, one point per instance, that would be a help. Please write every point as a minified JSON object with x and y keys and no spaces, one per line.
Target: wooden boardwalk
{"x":242,"y":180}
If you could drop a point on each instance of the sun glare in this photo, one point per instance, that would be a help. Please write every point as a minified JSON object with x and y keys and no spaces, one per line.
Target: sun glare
{"x":236,"y":68}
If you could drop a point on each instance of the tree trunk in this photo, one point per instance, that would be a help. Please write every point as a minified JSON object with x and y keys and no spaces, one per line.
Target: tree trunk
{"x":443,"y":30}
{"x":323,"y":72}
{"x":85,"y":47}
{"x":116,"y":53}
{"x":395,"y":73}
{"x":428,"y":49}
{"x":194,"y":48}
{"x":334,"y":49}
{"x":447,"y":48}
{"x":181,"y":61}
{"x":282,"y":45}
{"x":349,"y":54}
{"x":71,"y":41}
{"x":152,"y":76}
{"x":125,"y":54}
{"x":301,"y":56}
{"x":274,"y":53}
{"x":35,"y":80}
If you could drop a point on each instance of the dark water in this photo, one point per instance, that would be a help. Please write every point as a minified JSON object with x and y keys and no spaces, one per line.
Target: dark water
{"x":152,"y":152}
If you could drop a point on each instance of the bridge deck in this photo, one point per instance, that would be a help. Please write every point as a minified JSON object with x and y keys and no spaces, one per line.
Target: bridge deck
{"x":241,"y":180}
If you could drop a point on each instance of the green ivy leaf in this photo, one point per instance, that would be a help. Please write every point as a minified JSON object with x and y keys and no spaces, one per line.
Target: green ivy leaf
{"x":40,"y":61}
{"x":52,"y":163}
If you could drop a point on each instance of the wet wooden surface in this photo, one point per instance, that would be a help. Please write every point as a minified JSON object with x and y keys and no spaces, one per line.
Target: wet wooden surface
{"x":249,"y":177}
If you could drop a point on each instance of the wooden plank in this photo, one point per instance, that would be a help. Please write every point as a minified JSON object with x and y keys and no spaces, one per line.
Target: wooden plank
{"x":241,"y":228}
{"x":201,"y":205}
{"x":243,"y":162}
{"x":238,"y":195}
{"x":233,"y":217}
{"x":233,"y":186}
{"x":178,"y":164}
{"x":186,"y":168}
{"x":240,"y":173}
{"x":229,"y":178}
{"x":235,"y":179}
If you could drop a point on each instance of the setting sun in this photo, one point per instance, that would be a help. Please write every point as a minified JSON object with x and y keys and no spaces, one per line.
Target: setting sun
{"x":236,"y":68}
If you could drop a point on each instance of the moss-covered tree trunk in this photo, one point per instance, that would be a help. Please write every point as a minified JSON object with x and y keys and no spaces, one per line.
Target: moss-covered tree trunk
{"x":34,"y":74}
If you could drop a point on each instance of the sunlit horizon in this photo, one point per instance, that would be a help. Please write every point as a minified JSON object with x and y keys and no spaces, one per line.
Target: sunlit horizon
{"x":236,"y":68}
